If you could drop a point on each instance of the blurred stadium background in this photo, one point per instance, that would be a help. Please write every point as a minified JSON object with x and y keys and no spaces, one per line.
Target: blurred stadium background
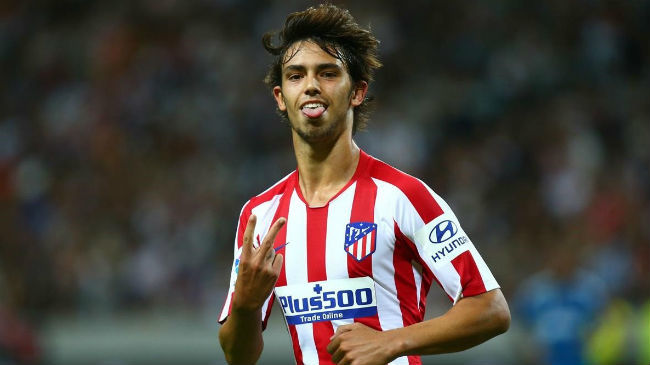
{"x":131,"y":132}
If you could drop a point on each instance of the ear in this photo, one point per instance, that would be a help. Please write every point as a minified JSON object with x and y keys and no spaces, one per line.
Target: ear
{"x":277,"y":94}
{"x":359,"y":93}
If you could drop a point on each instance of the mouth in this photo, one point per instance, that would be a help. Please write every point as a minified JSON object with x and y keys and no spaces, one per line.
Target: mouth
{"x":313,"y":109}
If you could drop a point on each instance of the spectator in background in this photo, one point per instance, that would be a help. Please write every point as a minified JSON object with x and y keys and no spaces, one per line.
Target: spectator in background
{"x":18,"y":339}
{"x":560,"y":303}
{"x":122,"y":158}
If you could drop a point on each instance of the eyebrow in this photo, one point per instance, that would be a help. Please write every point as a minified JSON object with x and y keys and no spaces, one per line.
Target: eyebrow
{"x":320,"y":67}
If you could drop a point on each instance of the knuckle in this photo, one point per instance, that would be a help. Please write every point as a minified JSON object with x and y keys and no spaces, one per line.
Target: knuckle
{"x":248,"y":265}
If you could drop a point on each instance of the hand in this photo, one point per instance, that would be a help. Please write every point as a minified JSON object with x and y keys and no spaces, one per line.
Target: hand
{"x":358,"y":344}
{"x":259,"y":268}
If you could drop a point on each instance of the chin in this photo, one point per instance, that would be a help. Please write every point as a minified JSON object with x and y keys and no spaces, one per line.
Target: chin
{"x":318,"y":134}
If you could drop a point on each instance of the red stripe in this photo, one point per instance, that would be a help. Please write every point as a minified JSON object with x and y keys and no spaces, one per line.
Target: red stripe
{"x":426,"y":271}
{"x":424,"y":289}
{"x":363,"y":210}
{"x":414,"y":189}
{"x":405,"y":280}
{"x":241,"y":227}
{"x":281,"y":238}
{"x":316,"y":271}
{"x":470,"y":277}
{"x":405,"y":284}
{"x":364,"y":252}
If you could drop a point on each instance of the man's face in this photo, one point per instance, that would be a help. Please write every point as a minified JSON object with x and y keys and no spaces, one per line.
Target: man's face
{"x":317,"y":93}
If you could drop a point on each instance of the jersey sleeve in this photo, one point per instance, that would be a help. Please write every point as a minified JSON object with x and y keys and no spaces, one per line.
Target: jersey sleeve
{"x":239,"y":241}
{"x":443,"y":246}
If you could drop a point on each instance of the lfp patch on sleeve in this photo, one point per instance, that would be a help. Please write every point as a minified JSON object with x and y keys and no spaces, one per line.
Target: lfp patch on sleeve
{"x":328,"y":300}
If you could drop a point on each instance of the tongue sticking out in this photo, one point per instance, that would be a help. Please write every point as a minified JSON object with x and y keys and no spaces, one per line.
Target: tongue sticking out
{"x":314,"y":112}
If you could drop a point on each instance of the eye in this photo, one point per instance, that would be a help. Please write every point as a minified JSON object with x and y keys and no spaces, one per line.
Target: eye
{"x":294,"y":77}
{"x":329,"y":74}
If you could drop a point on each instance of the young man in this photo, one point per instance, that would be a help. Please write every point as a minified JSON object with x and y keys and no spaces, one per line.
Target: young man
{"x":348,"y":245}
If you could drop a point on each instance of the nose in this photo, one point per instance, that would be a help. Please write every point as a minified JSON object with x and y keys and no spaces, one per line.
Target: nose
{"x":313,"y":87}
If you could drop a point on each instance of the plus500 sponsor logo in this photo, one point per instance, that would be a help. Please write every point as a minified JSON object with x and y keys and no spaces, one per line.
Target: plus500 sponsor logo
{"x":326,"y":300}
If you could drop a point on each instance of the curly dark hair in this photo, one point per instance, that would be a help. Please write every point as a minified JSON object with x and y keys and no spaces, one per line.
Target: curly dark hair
{"x":337,"y":33}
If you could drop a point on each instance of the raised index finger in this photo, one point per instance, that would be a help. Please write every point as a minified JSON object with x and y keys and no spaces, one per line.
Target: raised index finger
{"x":247,"y":247}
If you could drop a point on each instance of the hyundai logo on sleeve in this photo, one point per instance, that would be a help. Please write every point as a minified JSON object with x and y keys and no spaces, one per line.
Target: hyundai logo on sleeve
{"x":443,"y":231}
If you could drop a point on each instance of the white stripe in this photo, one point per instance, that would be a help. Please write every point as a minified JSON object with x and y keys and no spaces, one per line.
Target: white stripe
{"x":265,"y":307}
{"x":359,"y":247}
{"x":450,"y":280}
{"x":226,"y":307}
{"x":417,"y":275}
{"x":265,"y":213}
{"x":488,"y":279}
{"x":296,"y":269}
{"x":338,"y":216}
{"x":369,"y":242}
{"x":383,"y":271}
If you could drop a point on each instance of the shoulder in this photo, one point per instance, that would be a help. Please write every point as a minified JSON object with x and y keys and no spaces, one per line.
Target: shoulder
{"x":382,"y":171}
{"x":406,"y":188}
{"x":269,"y":195}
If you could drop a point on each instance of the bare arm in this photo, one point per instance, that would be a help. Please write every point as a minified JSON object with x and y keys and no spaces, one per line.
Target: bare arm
{"x":470,"y":322}
{"x":241,"y":337}
{"x":241,"y":334}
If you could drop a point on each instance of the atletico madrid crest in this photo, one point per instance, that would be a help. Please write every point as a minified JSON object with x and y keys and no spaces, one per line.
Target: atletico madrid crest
{"x":360,"y":239}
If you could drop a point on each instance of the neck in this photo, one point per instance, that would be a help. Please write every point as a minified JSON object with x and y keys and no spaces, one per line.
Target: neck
{"x":325,"y":167}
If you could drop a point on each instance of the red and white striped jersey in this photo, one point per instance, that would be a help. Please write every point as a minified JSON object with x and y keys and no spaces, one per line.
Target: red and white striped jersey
{"x":370,"y":255}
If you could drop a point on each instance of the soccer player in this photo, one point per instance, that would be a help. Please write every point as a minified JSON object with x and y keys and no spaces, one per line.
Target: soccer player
{"x":348,"y":245}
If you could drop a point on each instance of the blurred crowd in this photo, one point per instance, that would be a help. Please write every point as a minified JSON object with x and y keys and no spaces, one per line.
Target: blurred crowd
{"x":132,"y":132}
